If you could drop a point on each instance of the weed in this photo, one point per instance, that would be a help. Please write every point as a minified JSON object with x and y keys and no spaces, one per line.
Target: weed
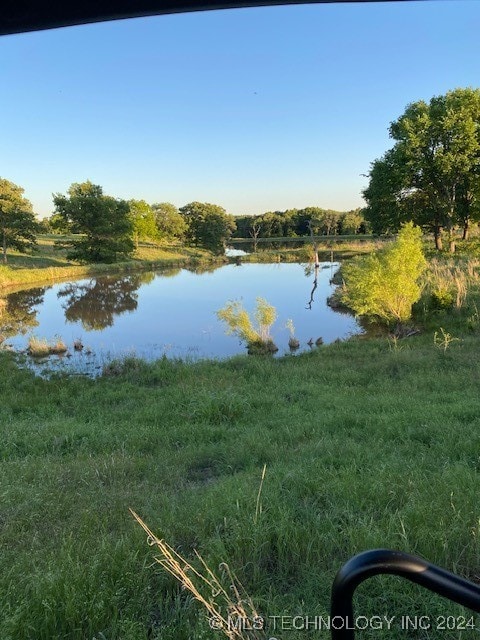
{"x":393,"y":343}
{"x":227,"y":604}
{"x":443,"y":339}
{"x":258,"y":506}
{"x":473,"y":321}
{"x":293,"y":343}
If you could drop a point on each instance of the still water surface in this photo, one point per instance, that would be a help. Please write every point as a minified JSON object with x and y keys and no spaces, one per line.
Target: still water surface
{"x":172,"y":312}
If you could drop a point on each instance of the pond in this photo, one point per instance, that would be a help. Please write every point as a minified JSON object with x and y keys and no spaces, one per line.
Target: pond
{"x":172,"y":312}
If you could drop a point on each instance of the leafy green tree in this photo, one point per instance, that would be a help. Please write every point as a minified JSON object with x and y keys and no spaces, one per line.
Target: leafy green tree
{"x":321,"y":221}
{"x":103,"y":221}
{"x":170,"y":223}
{"x":243,"y":225}
{"x":208,"y":225}
{"x":18,"y":225}
{"x":385,"y":284}
{"x":351,"y":222}
{"x":272,"y":224}
{"x":385,"y":211}
{"x":433,"y":170}
{"x":58,"y":225}
{"x":143,"y":221}
{"x":290,"y":223}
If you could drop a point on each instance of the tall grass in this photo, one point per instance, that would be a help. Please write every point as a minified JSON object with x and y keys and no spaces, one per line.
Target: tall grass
{"x":448,"y":281}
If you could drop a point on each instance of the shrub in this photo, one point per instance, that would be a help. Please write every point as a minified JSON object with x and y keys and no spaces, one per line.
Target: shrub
{"x":385,"y":284}
{"x":238,"y":322}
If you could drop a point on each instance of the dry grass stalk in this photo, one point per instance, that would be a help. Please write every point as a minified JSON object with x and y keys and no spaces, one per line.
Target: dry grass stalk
{"x":229,"y":608}
{"x":38,"y":347}
{"x":258,"y":506}
{"x":472,"y":269}
{"x":450,"y":280}
{"x":58,"y":346}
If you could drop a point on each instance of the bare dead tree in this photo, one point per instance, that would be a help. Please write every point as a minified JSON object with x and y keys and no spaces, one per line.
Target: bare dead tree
{"x":254,"y":232}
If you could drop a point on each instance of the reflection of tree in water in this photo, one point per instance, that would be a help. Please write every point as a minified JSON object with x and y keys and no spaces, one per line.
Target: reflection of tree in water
{"x":96,"y":303}
{"x":314,"y":286}
{"x":166,"y":273}
{"x":18,"y":312}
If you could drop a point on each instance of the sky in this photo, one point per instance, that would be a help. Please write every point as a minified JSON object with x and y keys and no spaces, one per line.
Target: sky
{"x":256,"y":110}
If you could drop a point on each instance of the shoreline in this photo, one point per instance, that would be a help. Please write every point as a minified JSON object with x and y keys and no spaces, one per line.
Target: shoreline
{"x":47,"y":275}
{"x":17,"y":274}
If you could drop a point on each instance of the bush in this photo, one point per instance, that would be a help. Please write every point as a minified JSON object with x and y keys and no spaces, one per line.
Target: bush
{"x":385,"y":284}
{"x":238,"y":322}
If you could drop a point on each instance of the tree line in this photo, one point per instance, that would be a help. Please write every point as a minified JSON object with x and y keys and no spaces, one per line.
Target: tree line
{"x":298,"y":222}
{"x":430,"y":176}
{"x":96,"y":227}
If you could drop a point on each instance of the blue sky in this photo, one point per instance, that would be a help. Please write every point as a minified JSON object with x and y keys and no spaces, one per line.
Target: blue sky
{"x":253,"y":109}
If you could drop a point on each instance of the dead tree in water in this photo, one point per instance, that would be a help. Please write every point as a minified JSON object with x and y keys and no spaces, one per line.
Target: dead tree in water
{"x":254,"y":231}
{"x":314,"y":244}
{"x":316,"y":265}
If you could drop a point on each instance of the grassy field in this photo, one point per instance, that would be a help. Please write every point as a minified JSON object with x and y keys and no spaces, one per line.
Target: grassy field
{"x":49,"y":264}
{"x":366,"y":444}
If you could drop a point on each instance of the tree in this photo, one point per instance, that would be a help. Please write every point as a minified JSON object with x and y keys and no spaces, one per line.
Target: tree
{"x":170,"y":224}
{"x":104,"y":221}
{"x":383,"y":195}
{"x":17,"y":220}
{"x":433,"y":170}
{"x":208,"y":225}
{"x":385,"y":284}
{"x":351,"y":222}
{"x":143,"y":221}
{"x":58,"y":225}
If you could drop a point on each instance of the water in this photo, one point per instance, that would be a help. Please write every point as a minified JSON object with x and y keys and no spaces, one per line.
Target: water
{"x":172,"y":313}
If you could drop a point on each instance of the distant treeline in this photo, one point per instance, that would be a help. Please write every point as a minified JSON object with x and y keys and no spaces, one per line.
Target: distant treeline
{"x":298,"y":222}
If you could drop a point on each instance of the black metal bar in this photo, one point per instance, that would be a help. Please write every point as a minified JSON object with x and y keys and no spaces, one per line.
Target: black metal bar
{"x":385,"y":561}
{"x":18,"y":16}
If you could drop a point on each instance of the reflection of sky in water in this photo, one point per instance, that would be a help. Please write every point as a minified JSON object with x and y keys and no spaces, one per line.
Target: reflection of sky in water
{"x":175,"y":314}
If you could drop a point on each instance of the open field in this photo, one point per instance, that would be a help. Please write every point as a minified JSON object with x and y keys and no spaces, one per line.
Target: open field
{"x":367,"y":444}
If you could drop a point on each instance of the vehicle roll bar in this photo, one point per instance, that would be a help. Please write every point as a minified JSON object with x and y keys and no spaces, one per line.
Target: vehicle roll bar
{"x":385,"y":561}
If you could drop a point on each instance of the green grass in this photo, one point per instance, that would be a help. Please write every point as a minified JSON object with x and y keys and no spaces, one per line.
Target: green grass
{"x":367,"y":444}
